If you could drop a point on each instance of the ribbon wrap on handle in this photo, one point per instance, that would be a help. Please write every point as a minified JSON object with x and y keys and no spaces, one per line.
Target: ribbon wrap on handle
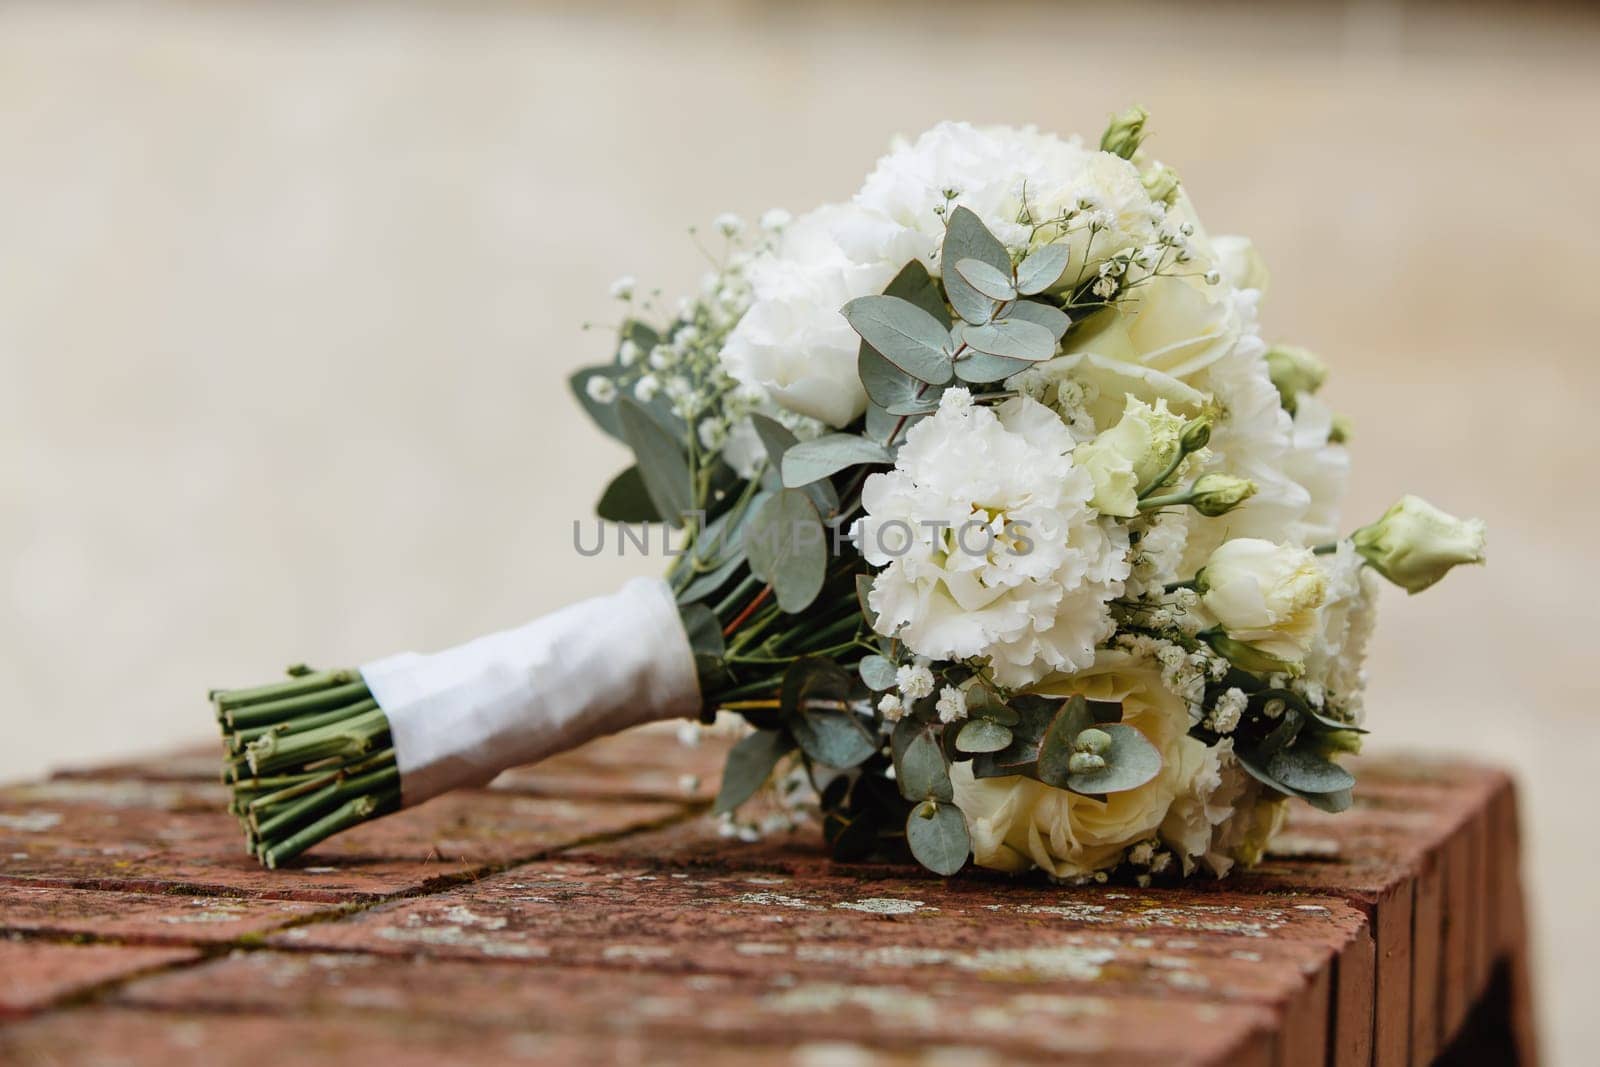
{"x":460,"y":717}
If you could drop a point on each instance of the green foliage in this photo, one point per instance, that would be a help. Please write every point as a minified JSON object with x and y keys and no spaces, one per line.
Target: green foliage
{"x":904,"y":334}
{"x":920,"y":768}
{"x":627,"y":500}
{"x":816,"y":705}
{"x":937,"y":835}
{"x":662,"y":464}
{"x":966,"y":237}
{"x":811,"y":461}
{"x":982,"y":735}
{"x":1042,"y":269}
{"x":877,"y":672}
{"x":750,"y":764}
{"x":786,"y":545}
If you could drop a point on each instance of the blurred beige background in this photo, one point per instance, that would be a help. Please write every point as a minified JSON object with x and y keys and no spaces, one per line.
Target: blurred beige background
{"x":288,"y":295}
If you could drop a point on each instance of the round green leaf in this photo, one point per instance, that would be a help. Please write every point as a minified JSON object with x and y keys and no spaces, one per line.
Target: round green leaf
{"x":1049,"y":316}
{"x":1012,"y":338}
{"x":750,"y":764}
{"x":787,"y":548}
{"x":627,"y":500}
{"x":878,"y":672}
{"x":992,"y":283}
{"x":920,"y":768}
{"x":982,"y":735}
{"x":1306,"y":772}
{"x":1131,"y":761}
{"x":966,"y":237}
{"x":937,"y":834}
{"x":810,"y":461}
{"x":1042,"y":269}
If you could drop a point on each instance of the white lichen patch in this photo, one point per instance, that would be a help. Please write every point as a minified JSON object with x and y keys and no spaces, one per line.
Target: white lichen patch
{"x":760,"y":948}
{"x":886,"y":1002}
{"x":465,"y":916}
{"x":31,"y":822}
{"x":883,"y":906}
{"x":774,"y":900}
{"x":1083,"y":913}
{"x":637,"y":953}
{"x":1043,"y":961}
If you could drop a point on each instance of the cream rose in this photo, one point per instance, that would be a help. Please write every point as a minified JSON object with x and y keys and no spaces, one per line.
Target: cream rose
{"x":1266,"y":595}
{"x":1133,"y":453}
{"x":1018,"y":823}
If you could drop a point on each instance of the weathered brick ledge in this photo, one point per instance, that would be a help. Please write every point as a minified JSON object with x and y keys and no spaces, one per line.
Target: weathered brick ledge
{"x":586,"y":911}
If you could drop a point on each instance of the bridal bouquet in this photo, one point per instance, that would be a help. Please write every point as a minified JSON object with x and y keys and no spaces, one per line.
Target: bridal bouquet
{"x":999,"y":523}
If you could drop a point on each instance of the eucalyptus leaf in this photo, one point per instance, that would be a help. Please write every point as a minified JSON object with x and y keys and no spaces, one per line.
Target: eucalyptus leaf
{"x":904,"y":334}
{"x":627,"y":500}
{"x":776,"y":440}
{"x":877,"y":672}
{"x":1034,"y":716}
{"x":980,"y":368}
{"x":1337,"y":724}
{"x":833,"y":738}
{"x":1013,"y":338}
{"x":1307,"y":772}
{"x":992,"y":283}
{"x":863,"y":593}
{"x":604,"y":415}
{"x":815,"y":701}
{"x":1042,"y":268}
{"x":996,"y":712}
{"x":920,"y":768}
{"x":662,"y":465}
{"x":703,"y":630}
{"x":810,"y":461}
{"x":712,"y":580}
{"x":966,"y":237}
{"x":982,"y":735}
{"x":1256,"y":764}
{"x":786,"y":545}
{"x":1039,"y":313}
{"x":1131,"y":761}
{"x":925,"y":404}
{"x":916,"y":285}
{"x":749,"y":765}
{"x":643,"y":336}
{"x":938,"y":838}
{"x":1055,"y":746}
{"x":885,"y":383}
{"x":880,"y":425}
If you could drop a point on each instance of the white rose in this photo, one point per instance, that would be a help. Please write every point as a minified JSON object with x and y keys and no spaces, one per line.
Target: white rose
{"x":988,"y":545}
{"x":1239,"y":263}
{"x":1133,"y":453}
{"x":794,"y":343}
{"x":1266,"y":595}
{"x":1017,"y":823}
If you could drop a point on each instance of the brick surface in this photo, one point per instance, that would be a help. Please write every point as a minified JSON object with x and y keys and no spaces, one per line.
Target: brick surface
{"x":146,"y":918}
{"x":244,"y":1039}
{"x":1013,"y":1023}
{"x":36,"y":974}
{"x":583,"y":912}
{"x":646,"y":763}
{"x":158,"y":848}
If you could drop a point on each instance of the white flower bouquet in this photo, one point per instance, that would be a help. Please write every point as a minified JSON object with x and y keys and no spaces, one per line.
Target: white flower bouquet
{"x":1001,"y":526}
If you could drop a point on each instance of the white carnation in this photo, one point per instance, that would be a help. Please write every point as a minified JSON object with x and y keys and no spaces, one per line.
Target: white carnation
{"x":988,"y":543}
{"x":1336,"y":660}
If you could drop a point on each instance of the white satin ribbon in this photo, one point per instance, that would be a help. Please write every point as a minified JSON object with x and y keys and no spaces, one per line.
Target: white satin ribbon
{"x":460,"y":717}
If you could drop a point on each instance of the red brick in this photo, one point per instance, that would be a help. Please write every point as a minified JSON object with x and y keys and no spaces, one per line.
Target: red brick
{"x":36,"y":974}
{"x":147,"y":918}
{"x":646,"y":763}
{"x":154,"y":849}
{"x":194,"y":763}
{"x":186,"y":1039}
{"x":1013,"y":1023}
{"x":890,"y":930}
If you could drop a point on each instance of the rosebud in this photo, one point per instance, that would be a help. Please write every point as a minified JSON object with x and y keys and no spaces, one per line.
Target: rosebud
{"x":1249,"y":658}
{"x":1126,"y":131}
{"x":1294,"y":371}
{"x":1196,"y":435}
{"x":1340,"y":431}
{"x":1217,"y":494}
{"x":1415,"y":544}
{"x":1161,"y":182}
